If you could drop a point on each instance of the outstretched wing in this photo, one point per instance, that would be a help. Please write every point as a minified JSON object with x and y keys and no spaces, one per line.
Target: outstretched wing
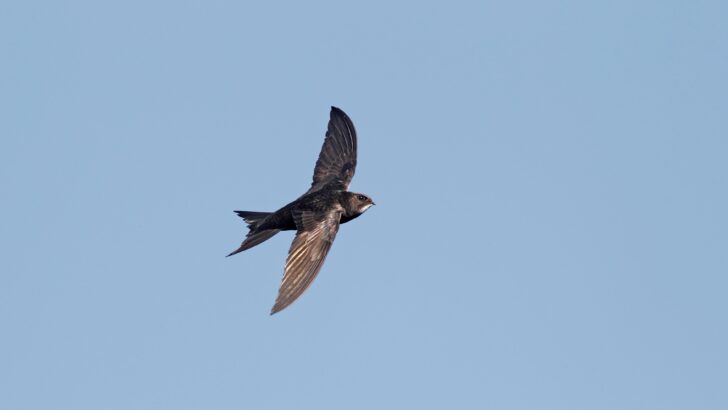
{"x":316,"y":233}
{"x":337,"y":160}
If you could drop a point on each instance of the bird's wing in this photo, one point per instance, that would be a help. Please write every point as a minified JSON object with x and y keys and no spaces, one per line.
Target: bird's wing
{"x":316,"y":233}
{"x":337,"y":160}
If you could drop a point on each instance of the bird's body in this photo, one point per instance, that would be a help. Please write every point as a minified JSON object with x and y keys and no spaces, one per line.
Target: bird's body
{"x":319,"y":201}
{"x":316,"y":215}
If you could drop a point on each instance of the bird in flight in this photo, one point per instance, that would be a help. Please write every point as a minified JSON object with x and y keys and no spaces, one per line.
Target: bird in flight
{"x":316,"y":215}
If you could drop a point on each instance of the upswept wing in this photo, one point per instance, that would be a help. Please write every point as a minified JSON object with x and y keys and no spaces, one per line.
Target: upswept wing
{"x":337,"y":161}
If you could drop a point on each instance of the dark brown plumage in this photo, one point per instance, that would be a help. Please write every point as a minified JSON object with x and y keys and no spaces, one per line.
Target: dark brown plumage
{"x":316,"y":215}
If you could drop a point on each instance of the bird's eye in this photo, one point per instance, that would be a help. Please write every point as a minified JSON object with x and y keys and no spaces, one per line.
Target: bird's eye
{"x":361,"y":197}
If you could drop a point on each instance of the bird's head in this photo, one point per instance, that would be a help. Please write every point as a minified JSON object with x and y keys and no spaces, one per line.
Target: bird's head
{"x":360,"y":202}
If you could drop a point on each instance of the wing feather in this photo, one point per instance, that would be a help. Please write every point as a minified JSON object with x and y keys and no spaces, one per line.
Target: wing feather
{"x":337,"y":161}
{"x":316,"y":232}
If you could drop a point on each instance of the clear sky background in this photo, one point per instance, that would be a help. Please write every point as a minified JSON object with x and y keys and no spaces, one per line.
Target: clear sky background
{"x":550,"y":229}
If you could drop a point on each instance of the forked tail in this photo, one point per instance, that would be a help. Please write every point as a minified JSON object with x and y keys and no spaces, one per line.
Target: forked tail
{"x":254,"y":236}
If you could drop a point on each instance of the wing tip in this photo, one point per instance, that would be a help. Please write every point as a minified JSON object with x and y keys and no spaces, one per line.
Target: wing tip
{"x":277,"y":308}
{"x":336,"y":111}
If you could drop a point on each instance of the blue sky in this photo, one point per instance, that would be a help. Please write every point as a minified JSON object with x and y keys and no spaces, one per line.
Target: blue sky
{"x":550,"y":229}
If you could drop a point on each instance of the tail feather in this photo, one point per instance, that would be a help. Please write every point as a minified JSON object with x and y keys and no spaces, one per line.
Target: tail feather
{"x":252,"y":218}
{"x":254,"y":237}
